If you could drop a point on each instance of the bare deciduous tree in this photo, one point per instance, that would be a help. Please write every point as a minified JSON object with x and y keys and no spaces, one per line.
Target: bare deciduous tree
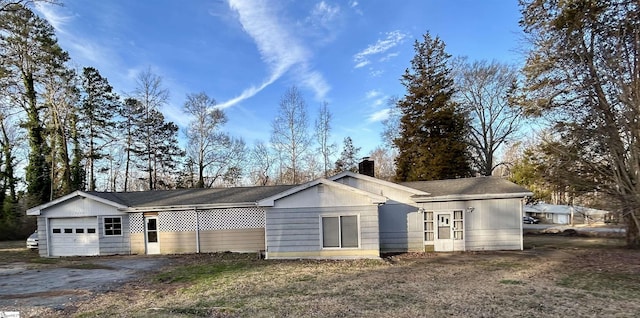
{"x":483,"y":90}
{"x":322,"y":134}
{"x":262,"y":161}
{"x":290,"y":136}
{"x":203,"y":135}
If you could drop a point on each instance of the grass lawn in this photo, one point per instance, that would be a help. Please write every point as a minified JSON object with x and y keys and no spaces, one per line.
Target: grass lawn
{"x":554,"y":276}
{"x":561,"y":276}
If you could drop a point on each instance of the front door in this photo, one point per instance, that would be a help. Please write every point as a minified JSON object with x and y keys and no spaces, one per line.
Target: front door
{"x":444,"y":236}
{"x":151,"y":235}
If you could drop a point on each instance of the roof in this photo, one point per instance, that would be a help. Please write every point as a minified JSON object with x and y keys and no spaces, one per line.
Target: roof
{"x":270,"y":201}
{"x":36,"y":210}
{"x":192,"y":197}
{"x":376,"y":180}
{"x":468,"y":188}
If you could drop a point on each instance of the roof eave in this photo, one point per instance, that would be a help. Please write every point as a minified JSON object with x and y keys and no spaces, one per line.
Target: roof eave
{"x":465,"y":197}
{"x":37,"y":210}
{"x":189,"y":207}
{"x":378,"y":181}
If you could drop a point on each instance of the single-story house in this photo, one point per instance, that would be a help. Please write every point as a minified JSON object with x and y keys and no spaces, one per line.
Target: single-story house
{"x":349,"y":215}
{"x":564,"y":214}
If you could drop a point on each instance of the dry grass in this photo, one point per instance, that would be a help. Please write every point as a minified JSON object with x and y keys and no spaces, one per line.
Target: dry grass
{"x":560,"y":277}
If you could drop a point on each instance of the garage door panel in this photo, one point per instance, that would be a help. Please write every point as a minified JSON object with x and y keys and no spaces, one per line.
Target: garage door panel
{"x":74,"y":236}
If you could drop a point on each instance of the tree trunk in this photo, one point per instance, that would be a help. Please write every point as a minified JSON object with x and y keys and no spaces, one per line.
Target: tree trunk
{"x":633,"y":227}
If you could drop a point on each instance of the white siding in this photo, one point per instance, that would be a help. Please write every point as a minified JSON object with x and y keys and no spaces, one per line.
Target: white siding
{"x":298,"y":229}
{"x":493,"y":225}
{"x":400,"y":228}
{"x":83,"y":208}
{"x":391,"y":193}
{"x":322,"y":195}
{"x":80,"y":207}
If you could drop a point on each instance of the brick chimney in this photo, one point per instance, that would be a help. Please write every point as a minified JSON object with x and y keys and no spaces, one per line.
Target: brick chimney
{"x":365,"y":167}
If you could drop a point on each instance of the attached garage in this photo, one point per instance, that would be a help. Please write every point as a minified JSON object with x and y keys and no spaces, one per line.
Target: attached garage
{"x":74,"y":236}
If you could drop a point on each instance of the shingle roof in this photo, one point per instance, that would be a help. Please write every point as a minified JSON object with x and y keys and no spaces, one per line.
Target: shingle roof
{"x":467,"y":186}
{"x":182,"y":197}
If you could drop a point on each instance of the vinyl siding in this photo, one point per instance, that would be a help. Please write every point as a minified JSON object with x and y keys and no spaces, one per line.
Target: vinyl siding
{"x":43,"y":237}
{"x":137,"y":243}
{"x":241,"y":240}
{"x":494,"y":224}
{"x":111,"y":245}
{"x":177,"y":242}
{"x":295,"y":232}
{"x":400,"y":228}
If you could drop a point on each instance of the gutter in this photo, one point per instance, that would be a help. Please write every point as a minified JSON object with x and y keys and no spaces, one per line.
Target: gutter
{"x":188,"y":207}
{"x":465,"y":197}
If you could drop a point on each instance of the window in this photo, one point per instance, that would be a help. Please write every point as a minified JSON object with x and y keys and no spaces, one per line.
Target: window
{"x":113,"y":226}
{"x":57,"y":231}
{"x":79,"y":231}
{"x":91,"y":231}
{"x":428,"y":226}
{"x":68,"y":231}
{"x":340,"y":231}
{"x":458,"y":227}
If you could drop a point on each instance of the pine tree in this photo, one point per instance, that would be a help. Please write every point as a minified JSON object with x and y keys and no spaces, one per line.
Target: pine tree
{"x":98,"y":108}
{"x":348,"y":160}
{"x":28,"y":48}
{"x":431,"y":144}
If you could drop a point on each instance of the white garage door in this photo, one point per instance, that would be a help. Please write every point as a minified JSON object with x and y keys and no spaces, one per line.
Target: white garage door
{"x":74,"y":236}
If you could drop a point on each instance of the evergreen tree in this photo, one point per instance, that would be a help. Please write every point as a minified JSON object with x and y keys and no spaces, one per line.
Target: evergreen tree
{"x":98,"y":108}
{"x":348,"y":160}
{"x":27,"y":48}
{"x":431,"y":144}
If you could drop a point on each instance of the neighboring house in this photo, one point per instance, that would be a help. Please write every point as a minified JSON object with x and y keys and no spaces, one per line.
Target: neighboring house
{"x":565,"y":214}
{"x":349,"y":215}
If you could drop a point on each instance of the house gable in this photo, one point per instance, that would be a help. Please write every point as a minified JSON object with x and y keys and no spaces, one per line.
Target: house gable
{"x":396,"y":193}
{"x":321,"y":193}
{"x":76,"y":204}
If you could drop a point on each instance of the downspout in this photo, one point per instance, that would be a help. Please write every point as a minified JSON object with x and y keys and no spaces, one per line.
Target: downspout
{"x":522,"y":203}
{"x":195,"y":209}
{"x":48,"y":236}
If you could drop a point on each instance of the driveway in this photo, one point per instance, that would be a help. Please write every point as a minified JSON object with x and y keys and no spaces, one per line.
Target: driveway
{"x":23,"y":286}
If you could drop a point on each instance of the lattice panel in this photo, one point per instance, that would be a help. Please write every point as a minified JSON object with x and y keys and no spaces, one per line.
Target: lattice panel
{"x":136,"y":223}
{"x":177,"y":221}
{"x":231,"y":219}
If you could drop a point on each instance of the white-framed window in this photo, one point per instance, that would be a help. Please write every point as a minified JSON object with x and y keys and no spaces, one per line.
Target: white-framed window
{"x":113,"y":226}
{"x":341,"y":231}
{"x":458,"y":225}
{"x":428,"y":226}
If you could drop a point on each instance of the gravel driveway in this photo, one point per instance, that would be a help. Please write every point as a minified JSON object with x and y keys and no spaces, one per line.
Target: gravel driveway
{"x":22,"y":287}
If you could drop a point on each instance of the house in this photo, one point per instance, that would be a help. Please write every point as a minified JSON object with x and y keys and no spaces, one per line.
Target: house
{"x":482,"y":213}
{"x":153,"y":222}
{"x":565,"y":214}
{"x":349,"y":215}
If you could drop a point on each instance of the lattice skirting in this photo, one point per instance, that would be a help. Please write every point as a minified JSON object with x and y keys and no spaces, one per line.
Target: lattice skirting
{"x":204,"y":220}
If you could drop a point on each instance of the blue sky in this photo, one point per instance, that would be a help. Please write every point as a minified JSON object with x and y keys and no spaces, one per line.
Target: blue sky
{"x":245,"y":54}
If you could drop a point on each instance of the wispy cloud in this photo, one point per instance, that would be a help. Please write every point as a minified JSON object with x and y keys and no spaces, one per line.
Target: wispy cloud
{"x":55,"y":17}
{"x":373,"y":94}
{"x":379,"y":115}
{"x":391,"y":40}
{"x":278,"y":47}
{"x":324,"y":13}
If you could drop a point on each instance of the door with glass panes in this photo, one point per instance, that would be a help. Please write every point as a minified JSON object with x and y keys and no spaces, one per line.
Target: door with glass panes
{"x":444,"y":230}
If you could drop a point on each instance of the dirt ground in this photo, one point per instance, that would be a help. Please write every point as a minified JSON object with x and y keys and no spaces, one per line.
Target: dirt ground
{"x":555,"y":276}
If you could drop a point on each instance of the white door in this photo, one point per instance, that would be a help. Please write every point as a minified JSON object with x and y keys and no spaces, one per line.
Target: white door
{"x":73,"y":237}
{"x":151,"y":235}
{"x":444,"y":233}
